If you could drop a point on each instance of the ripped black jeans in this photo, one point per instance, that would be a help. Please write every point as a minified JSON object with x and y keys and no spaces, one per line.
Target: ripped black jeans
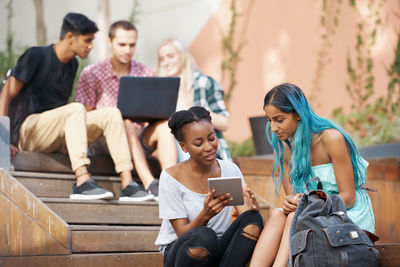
{"x":232,"y":249}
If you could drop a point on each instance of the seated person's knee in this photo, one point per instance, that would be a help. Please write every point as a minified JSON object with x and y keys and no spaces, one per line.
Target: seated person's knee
{"x":198,"y":253}
{"x":251,"y":231}
{"x":76,"y":107}
{"x":290,"y":216}
{"x":277,"y":213}
{"x":113,"y":113}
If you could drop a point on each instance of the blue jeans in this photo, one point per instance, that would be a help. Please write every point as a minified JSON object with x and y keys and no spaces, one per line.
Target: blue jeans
{"x":231,"y":249}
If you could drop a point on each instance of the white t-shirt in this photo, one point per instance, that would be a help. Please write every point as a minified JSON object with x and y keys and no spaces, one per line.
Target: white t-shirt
{"x":177,"y":201}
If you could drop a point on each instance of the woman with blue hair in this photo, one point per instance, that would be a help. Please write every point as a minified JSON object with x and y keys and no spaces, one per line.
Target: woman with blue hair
{"x":307,"y":145}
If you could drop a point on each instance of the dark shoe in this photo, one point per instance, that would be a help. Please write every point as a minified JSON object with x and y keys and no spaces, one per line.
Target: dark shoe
{"x":90,"y":190}
{"x":153,"y":189}
{"x":134,"y":193}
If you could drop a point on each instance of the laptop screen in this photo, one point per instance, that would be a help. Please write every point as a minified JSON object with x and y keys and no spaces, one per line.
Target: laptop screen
{"x":147,"y":98}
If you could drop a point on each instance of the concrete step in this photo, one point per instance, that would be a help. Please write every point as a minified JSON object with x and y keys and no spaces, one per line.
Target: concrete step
{"x":146,"y":259}
{"x":113,"y":238}
{"x":104,"y":212}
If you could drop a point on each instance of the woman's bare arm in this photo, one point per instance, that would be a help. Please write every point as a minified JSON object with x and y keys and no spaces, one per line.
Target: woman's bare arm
{"x":337,"y":149}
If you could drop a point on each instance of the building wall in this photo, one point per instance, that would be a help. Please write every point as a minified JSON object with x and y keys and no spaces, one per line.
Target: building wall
{"x":282,"y":41}
{"x":157,"y":20}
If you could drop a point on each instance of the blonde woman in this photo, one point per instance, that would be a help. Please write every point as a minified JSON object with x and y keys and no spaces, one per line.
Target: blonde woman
{"x":196,"y":89}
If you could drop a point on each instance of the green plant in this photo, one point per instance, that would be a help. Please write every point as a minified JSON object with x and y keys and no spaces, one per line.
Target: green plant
{"x":329,"y":22}
{"x":9,"y":57}
{"x":378,"y":122}
{"x":135,"y":11}
{"x":371,"y":125}
{"x":231,"y":52}
{"x":361,"y":79}
{"x":392,"y":100}
{"x":244,"y":149}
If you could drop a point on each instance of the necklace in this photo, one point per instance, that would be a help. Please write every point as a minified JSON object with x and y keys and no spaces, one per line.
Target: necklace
{"x":202,"y":186}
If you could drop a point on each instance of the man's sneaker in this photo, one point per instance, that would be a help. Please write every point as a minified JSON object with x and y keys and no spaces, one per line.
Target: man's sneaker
{"x":153,"y":189}
{"x":90,"y":190}
{"x":134,"y":193}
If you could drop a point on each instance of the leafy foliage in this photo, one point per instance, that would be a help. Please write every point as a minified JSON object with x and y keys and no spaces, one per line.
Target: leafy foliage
{"x":135,"y":12}
{"x":377,"y":122}
{"x":9,"y":57}
{"x":231,"y":52}
{"x":372,"y":125}
{"x":329,"y":21}
{"x":244,"y":149}
{"x":360,"y":85}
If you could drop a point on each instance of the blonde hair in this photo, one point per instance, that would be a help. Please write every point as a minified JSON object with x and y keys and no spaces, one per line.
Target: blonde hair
{"x":188,"y":65}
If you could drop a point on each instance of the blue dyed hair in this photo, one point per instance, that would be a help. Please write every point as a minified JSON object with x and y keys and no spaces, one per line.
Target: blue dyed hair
{"x":290,"y":99}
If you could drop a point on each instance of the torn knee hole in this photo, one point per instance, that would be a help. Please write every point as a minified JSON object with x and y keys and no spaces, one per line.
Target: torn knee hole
{"x":198,"y":253}
{"x":251,"y":231}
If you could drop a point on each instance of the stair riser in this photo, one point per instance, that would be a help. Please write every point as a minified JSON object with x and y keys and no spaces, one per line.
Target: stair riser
{"x":151,"y":259}
{"x":79,"y":213}
{"x":61,"y":188}
{"x":113,"y":241}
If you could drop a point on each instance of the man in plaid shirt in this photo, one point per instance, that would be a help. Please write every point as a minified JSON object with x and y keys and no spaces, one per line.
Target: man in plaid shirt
{"x":98,"y":87}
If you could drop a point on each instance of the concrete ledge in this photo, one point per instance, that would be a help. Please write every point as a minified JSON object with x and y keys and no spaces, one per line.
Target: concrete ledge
{"x":381,"y":151}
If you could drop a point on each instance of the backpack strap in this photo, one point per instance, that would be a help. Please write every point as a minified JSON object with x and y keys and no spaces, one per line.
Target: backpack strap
{"x":319,"y":185}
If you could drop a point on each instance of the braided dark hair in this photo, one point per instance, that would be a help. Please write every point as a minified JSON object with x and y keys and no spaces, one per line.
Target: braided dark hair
{"x":183,"y":117}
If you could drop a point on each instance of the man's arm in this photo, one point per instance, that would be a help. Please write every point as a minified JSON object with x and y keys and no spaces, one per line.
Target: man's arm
{"x":10,"y":90}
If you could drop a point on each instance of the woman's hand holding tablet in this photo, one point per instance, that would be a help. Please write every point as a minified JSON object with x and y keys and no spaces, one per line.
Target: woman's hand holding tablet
{"x":231,"y":185}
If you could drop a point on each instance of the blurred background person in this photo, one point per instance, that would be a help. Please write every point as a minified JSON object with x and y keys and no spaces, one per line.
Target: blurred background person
{"x":196,"y":89}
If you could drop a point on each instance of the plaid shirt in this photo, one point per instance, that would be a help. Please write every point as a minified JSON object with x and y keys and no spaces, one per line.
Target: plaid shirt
{"x":98,"y":84}
{"x":210,"y":95}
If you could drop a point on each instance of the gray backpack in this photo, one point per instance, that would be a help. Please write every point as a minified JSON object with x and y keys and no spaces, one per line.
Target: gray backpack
{"x":322,"y":234}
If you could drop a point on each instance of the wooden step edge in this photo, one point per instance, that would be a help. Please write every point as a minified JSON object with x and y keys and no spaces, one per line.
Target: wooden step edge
{"x":114,"y":228}
{"x":48,"y":175}
{"x":265,"y":207}
{"x":98,"y":201}
{"x":24,"y":209}
{"x":142,"y":259}
{"x":263,"y":202}
{"x":389,"y":254}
